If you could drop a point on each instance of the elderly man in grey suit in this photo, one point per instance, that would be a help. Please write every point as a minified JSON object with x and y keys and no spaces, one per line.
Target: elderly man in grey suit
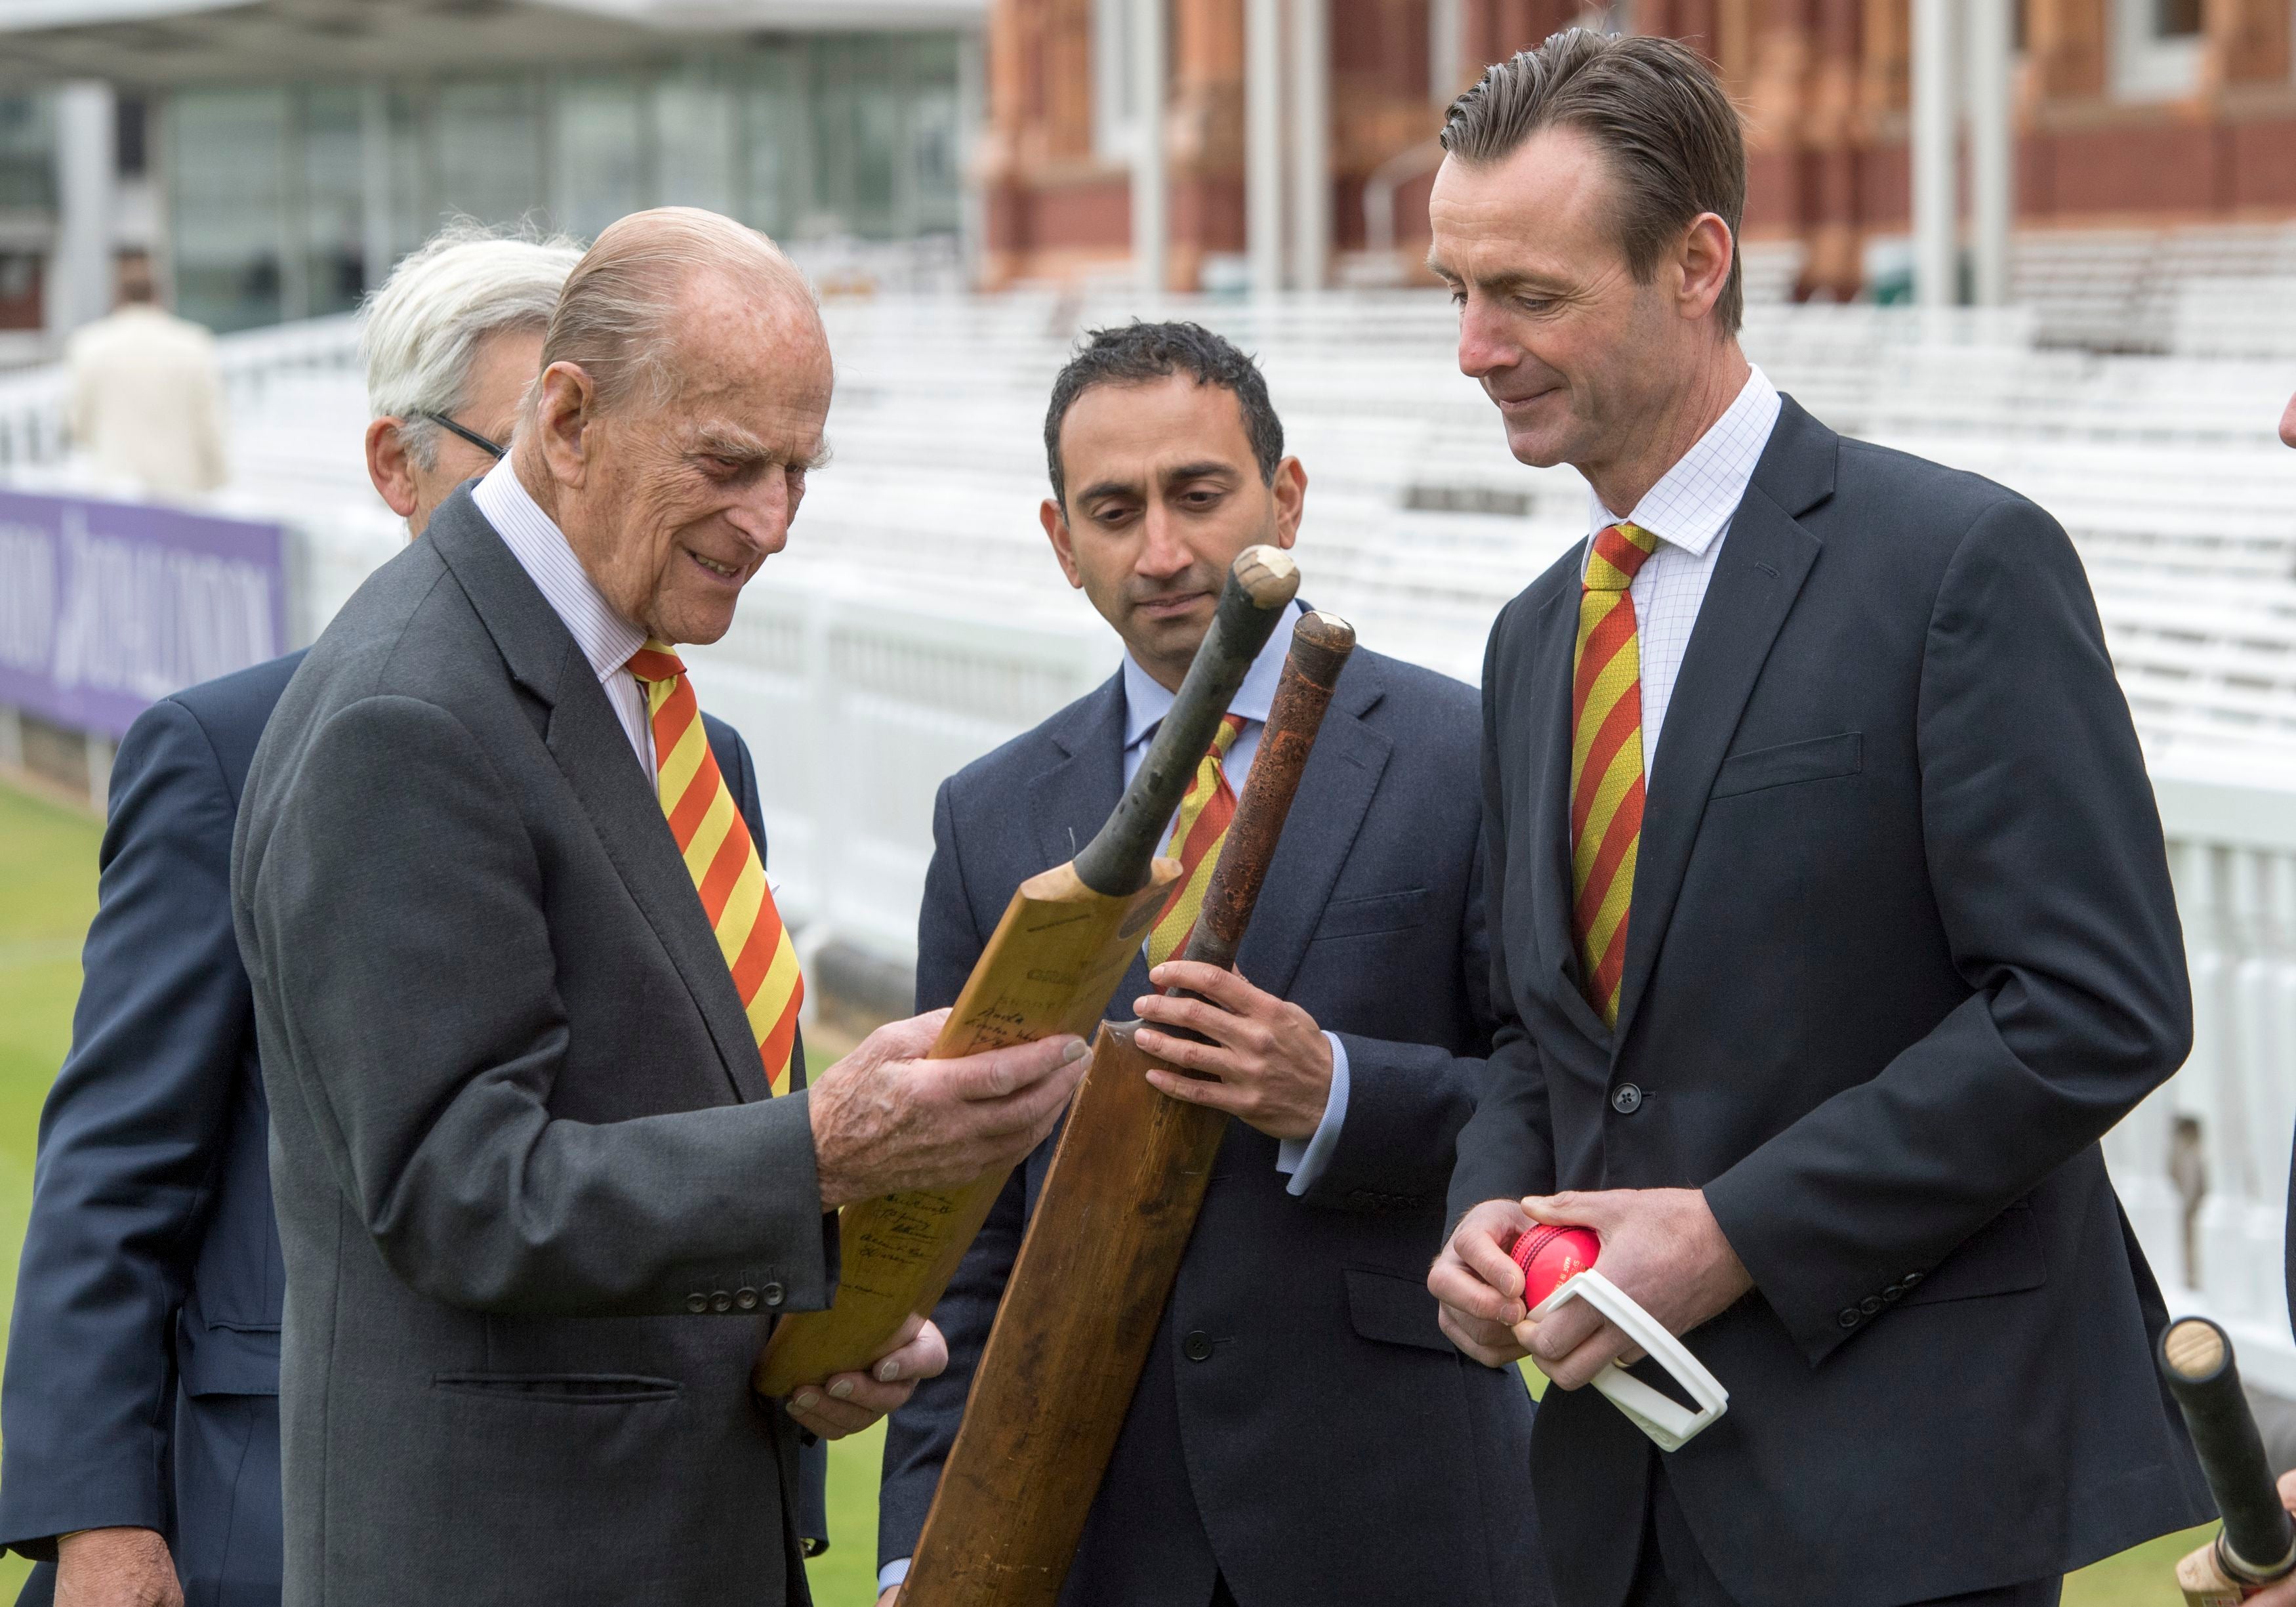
{"x":522,"y":997}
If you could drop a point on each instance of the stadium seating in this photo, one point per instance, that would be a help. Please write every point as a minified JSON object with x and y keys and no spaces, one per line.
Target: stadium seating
{"x":916,"y":619}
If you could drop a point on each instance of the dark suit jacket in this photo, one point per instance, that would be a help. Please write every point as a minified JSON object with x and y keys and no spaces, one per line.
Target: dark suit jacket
{"x":1902,"y":946}
{"x":537,"y":1210}
{"x":1330,"y":1444}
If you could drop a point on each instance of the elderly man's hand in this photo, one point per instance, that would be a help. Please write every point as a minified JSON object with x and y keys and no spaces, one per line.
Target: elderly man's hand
{"x":1270,"y":1063}
{"x":885,"y":1119}
{"x":1477,"y":1286}
{"x":1661,"y":1247}
{"x":846,"y":1403}
{"x":117,"y":1567}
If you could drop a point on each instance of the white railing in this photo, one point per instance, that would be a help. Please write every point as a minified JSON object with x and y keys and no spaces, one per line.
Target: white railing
{"x":916,"y":623}
{"x":2202,"y":1166}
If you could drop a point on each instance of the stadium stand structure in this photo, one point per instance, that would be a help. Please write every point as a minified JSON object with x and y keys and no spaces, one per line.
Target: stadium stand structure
{"x":916,"y":619}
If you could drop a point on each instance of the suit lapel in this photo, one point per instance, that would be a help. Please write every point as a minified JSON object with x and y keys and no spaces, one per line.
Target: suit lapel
{"x":588,"y":742}
{"x":1765,"y":559}
{"x":1335,"y":793}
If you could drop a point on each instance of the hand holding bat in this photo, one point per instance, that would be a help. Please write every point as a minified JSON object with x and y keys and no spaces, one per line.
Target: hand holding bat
{"x":885,"y":1117}
{"x":1259,"y":1059}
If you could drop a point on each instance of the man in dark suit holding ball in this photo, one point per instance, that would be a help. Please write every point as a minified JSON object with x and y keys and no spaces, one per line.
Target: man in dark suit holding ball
{"x":1830,"y":918}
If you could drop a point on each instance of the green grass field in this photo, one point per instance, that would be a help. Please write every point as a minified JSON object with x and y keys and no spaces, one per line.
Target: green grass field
{"x":47,"y":893}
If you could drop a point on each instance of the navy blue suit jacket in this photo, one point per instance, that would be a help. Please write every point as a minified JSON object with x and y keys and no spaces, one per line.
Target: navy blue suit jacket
{"x":151,"y":1276}
{"x":1331,"y":1445}
{"x":1903,"y":945}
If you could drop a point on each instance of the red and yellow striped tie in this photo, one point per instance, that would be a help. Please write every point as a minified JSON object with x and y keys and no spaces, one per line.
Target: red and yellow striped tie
{"x":722,"y":860}
{"x":1606,"y":761}
{"x":1197,"y":834}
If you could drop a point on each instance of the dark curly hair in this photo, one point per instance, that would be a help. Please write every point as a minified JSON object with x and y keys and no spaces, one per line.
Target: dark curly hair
{"x":1135,"y":353}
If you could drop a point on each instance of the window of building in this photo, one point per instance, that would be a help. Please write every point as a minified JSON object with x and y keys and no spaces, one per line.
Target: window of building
{"x":485,"y":148}
{"x":2156,"y":49}
{"x":603,"y":156}
{"x":229,"y":205}
{"x":332,"y":274}
{"x":28,"y":153}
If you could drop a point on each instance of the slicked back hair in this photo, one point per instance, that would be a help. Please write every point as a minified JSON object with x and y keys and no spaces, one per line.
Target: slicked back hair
{"x":1656,"y":110}
{"x":1138,"y":353}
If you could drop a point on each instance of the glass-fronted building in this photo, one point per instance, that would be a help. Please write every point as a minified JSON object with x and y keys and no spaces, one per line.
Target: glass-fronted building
{"x":278,"y":156}
{"x":282,"y":200}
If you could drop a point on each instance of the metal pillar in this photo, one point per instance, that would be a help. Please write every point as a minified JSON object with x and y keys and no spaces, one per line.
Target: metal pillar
{"x":1151,"y":220}
{"x":80,"y":286}
{"x":1263,"y":144}
{"x":1992,"y":27}
{"x":1311,"y":143}
{"x":1446,"y":48}
{"x":1936,"y":225}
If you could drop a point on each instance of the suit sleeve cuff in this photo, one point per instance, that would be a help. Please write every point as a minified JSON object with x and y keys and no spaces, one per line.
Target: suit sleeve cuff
{"x":893,"y":1574}
{"x":1304,"y":1162}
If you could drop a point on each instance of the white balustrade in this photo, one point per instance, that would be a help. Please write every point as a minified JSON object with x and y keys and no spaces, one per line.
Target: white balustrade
{"x":916,"y":620}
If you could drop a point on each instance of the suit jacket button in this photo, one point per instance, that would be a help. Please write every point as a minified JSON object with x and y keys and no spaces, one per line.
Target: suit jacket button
{"x":1910,"y":1278}
{"x":772,"y":1294}
{"x":1197,"y":1347}
{"x":1893,"y":1291}
{"x":697,"y":1303}
{"x":1870,"y":1304}
{"x":746,"y":1299}
{"x":721,"y":1301}
{"x":1849,"y":1317}
{"x":1626,"y":1099}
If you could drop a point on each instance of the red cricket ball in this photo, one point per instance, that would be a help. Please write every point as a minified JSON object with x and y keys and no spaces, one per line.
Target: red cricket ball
{"x":1550,"y":1256}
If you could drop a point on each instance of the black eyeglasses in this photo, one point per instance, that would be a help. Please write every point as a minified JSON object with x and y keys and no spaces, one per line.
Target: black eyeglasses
{"x":472,"y":436}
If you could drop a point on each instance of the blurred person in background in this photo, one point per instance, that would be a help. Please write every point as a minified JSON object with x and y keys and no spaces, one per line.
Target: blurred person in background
{"x":139,"y":1415}
{"x":146,"y":401}
{"x":1303,"y":1432}
{"x":528,"y":1012}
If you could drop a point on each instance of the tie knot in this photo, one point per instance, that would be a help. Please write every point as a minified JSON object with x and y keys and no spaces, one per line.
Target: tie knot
{"x":1619,"y":551}
{"x":657,"y":661}
{"x":1231,"y":727}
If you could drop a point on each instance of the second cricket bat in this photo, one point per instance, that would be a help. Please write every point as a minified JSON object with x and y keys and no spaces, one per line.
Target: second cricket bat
{"x":1051,"y":967}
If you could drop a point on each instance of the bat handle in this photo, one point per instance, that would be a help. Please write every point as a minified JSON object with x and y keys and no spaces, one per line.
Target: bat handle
{"x":1320,"y":645}
{"x":2258,"y":1542}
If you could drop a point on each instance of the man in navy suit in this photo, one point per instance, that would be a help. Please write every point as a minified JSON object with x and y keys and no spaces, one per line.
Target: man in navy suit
{"x":141,"y":1409}
{"x":1830,"y":917}
{"x":1303,"y":1433}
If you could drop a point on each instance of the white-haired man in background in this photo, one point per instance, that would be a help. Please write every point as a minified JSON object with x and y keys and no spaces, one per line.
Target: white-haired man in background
{"x":141,"y":1409}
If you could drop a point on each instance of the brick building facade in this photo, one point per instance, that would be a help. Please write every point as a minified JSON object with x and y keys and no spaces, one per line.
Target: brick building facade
{"x":2129,"y":112}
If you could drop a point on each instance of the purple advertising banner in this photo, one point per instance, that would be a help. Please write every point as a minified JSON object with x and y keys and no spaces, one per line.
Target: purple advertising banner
{"x":107,"y":606}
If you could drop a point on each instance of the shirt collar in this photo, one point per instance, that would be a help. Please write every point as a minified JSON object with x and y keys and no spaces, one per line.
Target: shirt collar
{"x":1692,"y":501}
{"x":606,"y":639}
{"x":1146,"y":702}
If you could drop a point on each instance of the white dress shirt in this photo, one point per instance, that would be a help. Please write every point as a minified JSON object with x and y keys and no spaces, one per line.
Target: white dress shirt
{"x":1689,"y":511}
{"x":606,"y":639}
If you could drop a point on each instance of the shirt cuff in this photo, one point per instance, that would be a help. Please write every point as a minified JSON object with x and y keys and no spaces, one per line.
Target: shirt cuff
{"x":893,"y":1574}
{"x":1304,"y":1163}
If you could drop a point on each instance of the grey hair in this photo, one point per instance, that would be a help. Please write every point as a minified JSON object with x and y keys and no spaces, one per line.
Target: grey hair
{"x":420,"y":331}
{"x":613,"y":320}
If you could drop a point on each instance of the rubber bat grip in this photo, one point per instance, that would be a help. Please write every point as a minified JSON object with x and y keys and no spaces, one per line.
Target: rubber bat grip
{"x":2260,"y":1538}
{"x":1260,"y":586}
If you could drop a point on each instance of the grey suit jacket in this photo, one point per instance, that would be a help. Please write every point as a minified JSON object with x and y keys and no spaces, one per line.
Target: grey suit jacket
{"x":536,"y":1208}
